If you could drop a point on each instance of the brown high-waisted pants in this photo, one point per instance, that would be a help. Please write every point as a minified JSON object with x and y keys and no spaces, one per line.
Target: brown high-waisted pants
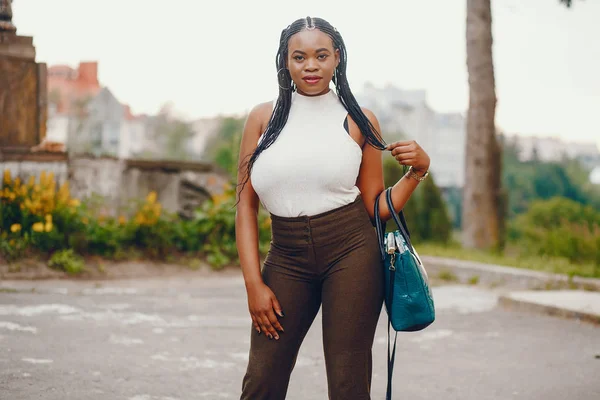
{"x":330,"y":259}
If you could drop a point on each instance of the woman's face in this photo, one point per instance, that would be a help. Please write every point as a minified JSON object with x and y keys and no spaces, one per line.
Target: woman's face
{"x":312,"y":61}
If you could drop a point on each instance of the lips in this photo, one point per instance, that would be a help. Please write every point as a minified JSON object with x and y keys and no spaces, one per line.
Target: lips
{"x":312,"y":79}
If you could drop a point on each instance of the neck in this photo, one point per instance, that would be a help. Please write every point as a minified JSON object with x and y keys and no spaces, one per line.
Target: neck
{"x":324,"y":91}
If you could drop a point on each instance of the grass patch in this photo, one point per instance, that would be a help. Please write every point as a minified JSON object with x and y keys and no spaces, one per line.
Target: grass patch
{"x":68,"y":261}
{"x":474,"y":280}
{"x":447,"y":275}
{"x":512,"y":258}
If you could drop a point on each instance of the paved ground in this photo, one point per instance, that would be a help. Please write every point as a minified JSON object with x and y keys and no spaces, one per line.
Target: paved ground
{"x":184,"y":338}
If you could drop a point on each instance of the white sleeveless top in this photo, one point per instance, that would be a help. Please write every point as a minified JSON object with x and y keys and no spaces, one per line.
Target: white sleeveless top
{"x":313,"y":165}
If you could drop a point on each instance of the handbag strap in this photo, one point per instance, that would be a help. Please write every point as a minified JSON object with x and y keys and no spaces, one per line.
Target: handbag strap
{"x":380,"y":228}
{"x":392,"y":356}
{"x":398,"y":218}
{"x":400,"y":221}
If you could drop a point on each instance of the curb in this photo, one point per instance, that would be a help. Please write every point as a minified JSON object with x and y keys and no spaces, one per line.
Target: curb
{"x":498,"y":275}
{"x":508,"y":302}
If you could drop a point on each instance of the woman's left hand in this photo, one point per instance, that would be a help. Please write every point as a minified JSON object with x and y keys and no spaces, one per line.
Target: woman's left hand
{"x":409,"y":152}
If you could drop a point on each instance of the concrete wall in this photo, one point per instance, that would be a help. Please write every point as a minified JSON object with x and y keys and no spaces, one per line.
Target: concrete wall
{"x":30,"y":166}
{"x":180,"y":187}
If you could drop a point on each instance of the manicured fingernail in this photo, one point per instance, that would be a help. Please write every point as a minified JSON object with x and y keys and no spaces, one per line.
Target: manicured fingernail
{"x":277,"y":337}
{"x":281,"y":313}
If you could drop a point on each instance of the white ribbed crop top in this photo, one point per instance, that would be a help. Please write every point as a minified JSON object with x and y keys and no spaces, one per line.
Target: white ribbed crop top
{"x":313,"y":165}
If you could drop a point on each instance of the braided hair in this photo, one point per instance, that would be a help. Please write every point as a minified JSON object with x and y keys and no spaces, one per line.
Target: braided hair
{"x":286,"y":87}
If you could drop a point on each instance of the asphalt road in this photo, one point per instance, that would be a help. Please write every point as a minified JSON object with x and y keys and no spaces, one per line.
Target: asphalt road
{"x":187,"y":338}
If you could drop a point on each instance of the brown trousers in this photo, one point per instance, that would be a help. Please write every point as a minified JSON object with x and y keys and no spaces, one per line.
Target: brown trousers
{"x":329,"y":260}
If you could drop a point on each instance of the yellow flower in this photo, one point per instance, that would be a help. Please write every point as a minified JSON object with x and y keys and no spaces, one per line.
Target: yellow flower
{"x":74,"y":202}
{"x":7,"y":178}
{"x":15,"y":228}
{"x":122,"y":220}
{"x":151,"y":198}
{"x":31,"y":181}
{"x":49,"y":218}
{"x":48,"y":226}
{"x":38,"y":227}
{"x":219,"y":198}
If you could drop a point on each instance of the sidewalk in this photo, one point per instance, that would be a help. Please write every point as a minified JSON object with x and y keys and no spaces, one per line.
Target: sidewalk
{"x":527,"y":290}
{"x":574,"y":304}
{"x":509,"y":277}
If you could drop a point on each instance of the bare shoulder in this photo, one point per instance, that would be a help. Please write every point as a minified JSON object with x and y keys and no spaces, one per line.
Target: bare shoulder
{"x":355,"y":130}
{"x":260,"y":115}
{"x":369,"y":114}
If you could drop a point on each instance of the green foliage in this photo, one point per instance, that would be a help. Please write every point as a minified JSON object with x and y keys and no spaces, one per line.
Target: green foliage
{"x":13,"y":247}
{"x":560,"y":227}
{"x":173,"y":135}
{"x":68,"y":261}
{"x":216,"y":223}
{"x":447,"y":275}
{"x":426,"y":213}
{"x":512,"y":256}
{"x":528,"y":181}
{"x":35,"y":217}
{"x":223,"y":148}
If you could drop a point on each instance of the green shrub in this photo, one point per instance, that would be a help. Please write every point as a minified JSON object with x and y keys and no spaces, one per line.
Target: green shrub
{"x":68,"y":261}
{"x":559,"y":227}
{"x":216,"y":224}
{"x":13,"y":247}
{"x":43,"y":217}
{"x":426,"y":212}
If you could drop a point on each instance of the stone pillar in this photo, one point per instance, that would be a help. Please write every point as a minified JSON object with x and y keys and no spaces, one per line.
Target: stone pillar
{"x":23,"y":107}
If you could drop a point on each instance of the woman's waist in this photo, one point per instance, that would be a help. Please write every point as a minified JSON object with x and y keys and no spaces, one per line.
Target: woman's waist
{"x":320,"y":227}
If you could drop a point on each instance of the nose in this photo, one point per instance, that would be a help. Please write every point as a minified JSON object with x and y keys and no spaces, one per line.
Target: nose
{"x":311,"y":65}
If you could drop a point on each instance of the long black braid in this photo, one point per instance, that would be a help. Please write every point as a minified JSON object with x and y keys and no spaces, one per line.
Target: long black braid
{"x":286,"y":87}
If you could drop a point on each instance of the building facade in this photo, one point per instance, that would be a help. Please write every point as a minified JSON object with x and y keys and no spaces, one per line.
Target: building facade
{"x":88,"y":118}
{"x":405,"y":114}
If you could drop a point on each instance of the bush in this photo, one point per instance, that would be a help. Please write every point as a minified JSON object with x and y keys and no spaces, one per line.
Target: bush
{"x":68,"y":261}
{"x":43,"y":211}
{"x":216,"y":223}
{"x":559,"y":227}
{"x":13,"y":247}
{"x":426,"y":213}
{"x":42,"y":217}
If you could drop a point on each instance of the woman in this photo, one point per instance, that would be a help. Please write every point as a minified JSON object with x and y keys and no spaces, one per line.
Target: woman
{"x":313,"y":159}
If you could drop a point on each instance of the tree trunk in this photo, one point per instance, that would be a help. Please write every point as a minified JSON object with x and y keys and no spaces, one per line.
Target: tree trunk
{"x":480,"y":193}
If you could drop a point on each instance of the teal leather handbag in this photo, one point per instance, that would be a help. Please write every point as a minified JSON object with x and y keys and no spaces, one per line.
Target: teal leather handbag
{"x":408,"y":298}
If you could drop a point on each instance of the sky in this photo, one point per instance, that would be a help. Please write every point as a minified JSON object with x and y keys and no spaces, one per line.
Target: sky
{"x":218,"y":57}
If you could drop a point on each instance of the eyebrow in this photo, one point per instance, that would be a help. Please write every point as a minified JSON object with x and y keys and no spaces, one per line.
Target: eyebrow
{"x":316,"y":51}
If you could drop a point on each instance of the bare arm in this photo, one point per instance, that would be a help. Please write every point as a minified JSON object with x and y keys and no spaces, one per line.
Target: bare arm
{"x":262,"y":303}
{"x":246,"y":216}
{"x":370,"y":178}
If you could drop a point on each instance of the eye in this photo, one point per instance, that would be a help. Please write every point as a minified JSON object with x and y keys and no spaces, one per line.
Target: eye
{"x":298,"y":58}
{"x":322,"y":56}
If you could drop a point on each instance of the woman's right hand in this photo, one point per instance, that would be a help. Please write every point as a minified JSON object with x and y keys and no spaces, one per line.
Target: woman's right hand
{"x":263,"y":305}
